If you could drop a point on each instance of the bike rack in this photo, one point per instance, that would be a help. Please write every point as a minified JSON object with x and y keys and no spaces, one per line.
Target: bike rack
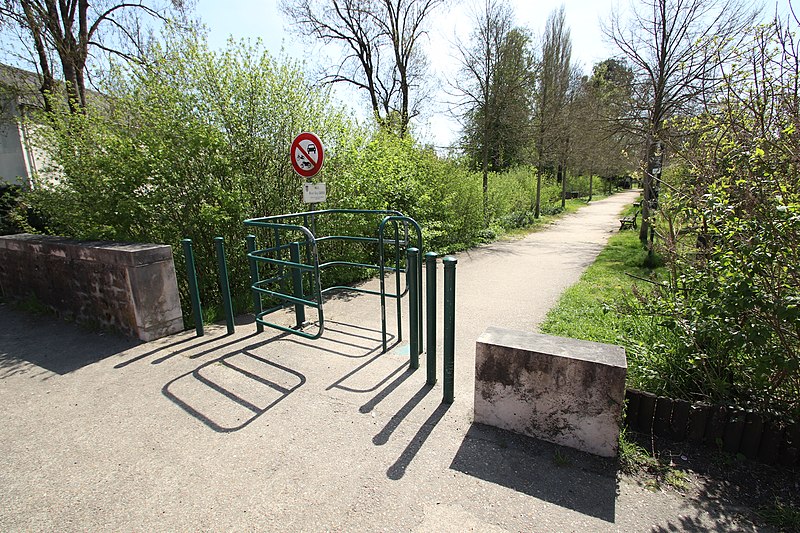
{"x":272,"y":274}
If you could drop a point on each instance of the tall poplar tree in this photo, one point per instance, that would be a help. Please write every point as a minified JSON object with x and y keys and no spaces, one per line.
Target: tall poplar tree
{"x":552,"y":97}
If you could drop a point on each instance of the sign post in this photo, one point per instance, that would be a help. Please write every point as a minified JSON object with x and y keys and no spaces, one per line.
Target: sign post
{"x":307,"y":156}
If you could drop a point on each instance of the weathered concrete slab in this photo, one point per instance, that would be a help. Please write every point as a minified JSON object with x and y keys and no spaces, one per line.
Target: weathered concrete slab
{"x":565,"y":391}
{"x":129,"y":287}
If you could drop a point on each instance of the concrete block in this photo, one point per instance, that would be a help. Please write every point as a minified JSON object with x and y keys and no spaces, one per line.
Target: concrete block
{"x":154,"y":286}
{"x":565,"y":391}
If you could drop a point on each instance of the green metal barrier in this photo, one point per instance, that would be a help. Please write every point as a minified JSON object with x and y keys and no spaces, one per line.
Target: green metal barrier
{"x":430,"y":315}
{"x":285,"y":280}
{"x":413,"y":316}
{"x":449,"y":327}
{"x":395,"y":220}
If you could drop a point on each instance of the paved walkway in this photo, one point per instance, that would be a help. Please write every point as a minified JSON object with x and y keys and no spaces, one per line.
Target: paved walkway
{"x":271,"y":432}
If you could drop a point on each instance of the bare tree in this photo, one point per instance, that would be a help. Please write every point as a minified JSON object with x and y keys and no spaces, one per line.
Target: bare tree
{"x":676,"y":48}
{"x":381,"y":49}
{"x":64,"y":32}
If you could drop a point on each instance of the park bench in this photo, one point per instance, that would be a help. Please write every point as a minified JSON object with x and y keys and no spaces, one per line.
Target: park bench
{"x":628,"y":221}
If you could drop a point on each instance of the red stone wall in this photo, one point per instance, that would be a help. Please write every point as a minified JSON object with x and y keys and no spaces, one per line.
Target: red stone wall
{"x":129,"y":287}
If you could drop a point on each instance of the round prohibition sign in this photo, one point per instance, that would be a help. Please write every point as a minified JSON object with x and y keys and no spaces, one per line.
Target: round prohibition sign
{"x":307,"y":154}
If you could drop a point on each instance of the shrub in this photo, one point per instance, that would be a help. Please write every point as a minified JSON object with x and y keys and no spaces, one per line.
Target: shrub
{"x":725,"y":326}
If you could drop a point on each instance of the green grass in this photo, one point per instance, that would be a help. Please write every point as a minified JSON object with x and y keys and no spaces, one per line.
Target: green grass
{"x":635,"y":460}
{"x":587,"y":309}
{"x":31,"y":304}
{"x":561,"y":459}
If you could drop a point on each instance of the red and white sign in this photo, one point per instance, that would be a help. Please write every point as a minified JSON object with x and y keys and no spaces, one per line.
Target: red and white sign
{"x":307,"y":154}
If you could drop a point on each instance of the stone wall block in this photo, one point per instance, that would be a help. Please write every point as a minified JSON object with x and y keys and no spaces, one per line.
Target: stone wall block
{"x":561,"y":390}
{"x":129,"y":287}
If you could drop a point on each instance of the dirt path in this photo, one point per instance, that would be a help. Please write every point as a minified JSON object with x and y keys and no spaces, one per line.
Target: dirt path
{"x":268,"y":432}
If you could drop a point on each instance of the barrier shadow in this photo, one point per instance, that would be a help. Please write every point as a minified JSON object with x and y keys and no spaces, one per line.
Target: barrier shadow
{"x":568,"y":478}
{"x":162,"y":347}
{"x":29,"y":342}
{"x":383,"y":435}
{"x":230,"y":392}
{"x":387,"y":390}
{"x":367,"y":350}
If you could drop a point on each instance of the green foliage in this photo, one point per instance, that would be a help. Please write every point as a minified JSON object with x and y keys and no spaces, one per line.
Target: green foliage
{"x":196,"y":142}
{"x":635,"y":459}
{"x":497,"y":125}
{"x":781,"y":515}
{"x":394,"y":173}
{"x":727,"y":319}
{"x":187,"y":147}
{"x":561,"y":459}
{"x":588,"y":309}
{"x":9,"y":210}
{"x":720,"y":322}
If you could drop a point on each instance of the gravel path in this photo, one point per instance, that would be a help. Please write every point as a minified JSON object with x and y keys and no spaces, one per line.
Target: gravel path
{"x":276,"y":433}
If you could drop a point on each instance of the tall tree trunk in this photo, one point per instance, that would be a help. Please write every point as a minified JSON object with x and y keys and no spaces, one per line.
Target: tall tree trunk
{"x":652,"y":162}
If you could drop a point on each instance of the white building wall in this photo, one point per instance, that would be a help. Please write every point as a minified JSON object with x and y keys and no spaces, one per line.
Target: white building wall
{"x":14,"y":164}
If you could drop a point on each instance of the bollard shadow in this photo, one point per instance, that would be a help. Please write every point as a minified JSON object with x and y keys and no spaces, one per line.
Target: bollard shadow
{"x":562,"y":476}
{"x":42,"y":345}
{"x":383,"y":435}
{"x":398,"y":469}
{"x":166,"y":351}
{"x":158,"y":349}
{"x":230,"y":392}
{"x":360,"y":349}
{"x":386,"y":391}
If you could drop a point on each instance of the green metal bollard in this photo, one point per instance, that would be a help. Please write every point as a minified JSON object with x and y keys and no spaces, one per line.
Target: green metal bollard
{"x":412,"y":257}
{"x":297,"y":281}
{"x":430,"y":301}
{"x":251,"y":247}
{"x":449,"y":326}
{"x":194,"y":292}
{"x":224,"y":285}
{"x":419,"y":300}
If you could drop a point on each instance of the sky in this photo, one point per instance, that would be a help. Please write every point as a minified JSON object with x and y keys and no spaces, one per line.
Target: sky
{"x":263,"y":19}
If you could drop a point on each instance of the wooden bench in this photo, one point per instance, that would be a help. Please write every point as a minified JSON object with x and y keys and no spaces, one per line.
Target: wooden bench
{"x":628,"y":221}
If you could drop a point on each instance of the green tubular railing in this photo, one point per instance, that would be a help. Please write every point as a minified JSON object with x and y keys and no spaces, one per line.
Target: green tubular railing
{"x":284,"y":230}
{"x":396,"y":219}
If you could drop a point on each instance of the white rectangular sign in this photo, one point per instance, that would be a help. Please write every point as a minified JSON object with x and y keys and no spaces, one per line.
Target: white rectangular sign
{"x":314,"y":193}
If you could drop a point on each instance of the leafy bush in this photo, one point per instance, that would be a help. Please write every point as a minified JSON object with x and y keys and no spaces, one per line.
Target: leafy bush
{"x":725,"y":326}
{"x":187,"y":147}
{"x":9,"y":208}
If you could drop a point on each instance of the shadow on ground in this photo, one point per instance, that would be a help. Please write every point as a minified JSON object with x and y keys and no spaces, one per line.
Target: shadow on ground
{"x":558,"y":475}
{"x":230,"y":392}
{"x":731,"y":490}
{"x":60,"y":347}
